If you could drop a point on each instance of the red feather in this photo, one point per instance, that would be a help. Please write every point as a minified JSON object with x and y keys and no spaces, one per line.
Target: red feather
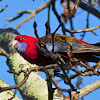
{"x":81,"y":49}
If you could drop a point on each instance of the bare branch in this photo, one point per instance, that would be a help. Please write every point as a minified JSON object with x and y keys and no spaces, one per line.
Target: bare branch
{"x":15,"y":86}
{"x":3,"y":52}
{"x":83,"y":30}
{"x":3,"y":8}
{"x":89,"y":8}
{"x":33,"y":13}
{"x":58,"y":17}
{"x":19,"y":15}
{"x":85,"y":90}
{"x":13,"y":95}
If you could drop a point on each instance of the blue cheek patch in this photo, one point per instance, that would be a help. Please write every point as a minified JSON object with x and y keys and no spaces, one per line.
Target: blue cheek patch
{"x":22,"y":47}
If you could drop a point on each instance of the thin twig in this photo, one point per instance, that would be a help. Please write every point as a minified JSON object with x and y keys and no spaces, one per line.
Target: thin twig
{"x":85,"y":90}
{"x":15,"y":86}
{"x":58,"y":17}
{"x":3,"y":52}
{"x":18,"y":16}
{"x":87,"y":26}
{"x":3,"y":8}
{"x":83,"y":30}
{"x":89,"y":8}
{"x":13,"y":95}
{"x":55,"y":83}
{"x":32,"y":14}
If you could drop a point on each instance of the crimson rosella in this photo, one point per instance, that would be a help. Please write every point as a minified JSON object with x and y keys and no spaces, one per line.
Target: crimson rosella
{"x":29,"y":48}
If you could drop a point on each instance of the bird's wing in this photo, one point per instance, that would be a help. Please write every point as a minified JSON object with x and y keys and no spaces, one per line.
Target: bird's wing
{"x":86,"y":49}
{"x":62,"y":42}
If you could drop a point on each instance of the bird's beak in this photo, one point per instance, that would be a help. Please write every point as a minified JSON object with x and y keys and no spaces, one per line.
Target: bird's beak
{"x":14,"y":42}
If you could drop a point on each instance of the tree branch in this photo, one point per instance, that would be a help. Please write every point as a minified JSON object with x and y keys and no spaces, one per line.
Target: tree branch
{"x":89,"y":8}
{"x":85,"y":90}
{"x":6,"y":95}
{"x":83,"y":30}
{"x":32,"y":14}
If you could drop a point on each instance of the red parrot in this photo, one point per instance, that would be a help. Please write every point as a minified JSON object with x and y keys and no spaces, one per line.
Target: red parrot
{"x":29,"y":48}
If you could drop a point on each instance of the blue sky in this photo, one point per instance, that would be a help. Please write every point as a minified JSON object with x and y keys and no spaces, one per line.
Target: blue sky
{"x":79,"y":21}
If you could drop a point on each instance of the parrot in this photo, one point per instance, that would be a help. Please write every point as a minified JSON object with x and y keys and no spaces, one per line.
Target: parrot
{"x":30,"y":50}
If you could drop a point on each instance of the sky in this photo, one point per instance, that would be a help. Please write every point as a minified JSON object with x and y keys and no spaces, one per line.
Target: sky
{"x":79,"y":22}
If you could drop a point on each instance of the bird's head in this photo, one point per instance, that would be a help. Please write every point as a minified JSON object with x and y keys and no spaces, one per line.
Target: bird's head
{"x":25,"y":38}
{"x":26,"y":44}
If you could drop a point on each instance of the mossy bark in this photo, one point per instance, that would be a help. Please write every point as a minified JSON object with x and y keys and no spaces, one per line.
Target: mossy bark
{"x":6,"y":95}
{"x":35,"y":87}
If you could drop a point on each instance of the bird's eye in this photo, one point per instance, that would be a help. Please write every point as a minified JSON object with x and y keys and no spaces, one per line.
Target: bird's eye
{"x":22,"y":38}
